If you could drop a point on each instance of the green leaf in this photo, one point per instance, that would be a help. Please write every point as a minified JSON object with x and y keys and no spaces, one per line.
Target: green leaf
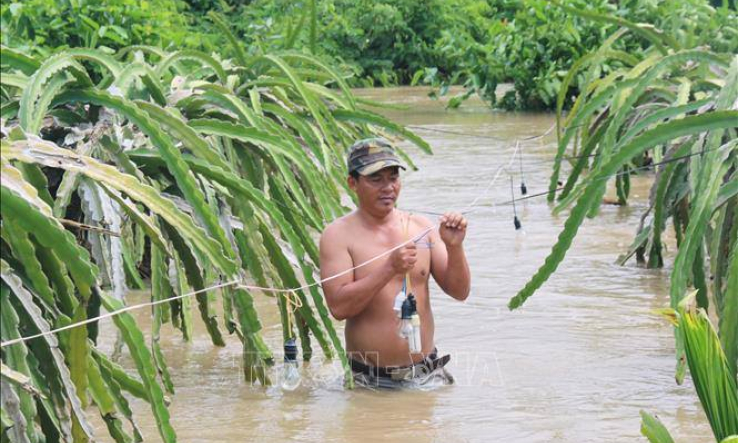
{"x":661,"y":40}
{"x":146,"y":49}
{"x":18,"y":60}
{"x":289,"y":278}
{"x":14,"y":180}
{"x":268,"y":141}
{"x":312,"y":104}
{"x":25,"y":252}
{"x":37,"y":92}
{"x":142,"y":358}
{"x":122,"y":379}
{"x":105,"y":402}
{"x":93,"y":55}
{"x":729,"y":314}
{"x":77,"y":353}
{"x":180,"y":130}
{"x":142,"y":220}
{"x":663,"y":185}
{"x":114,"y":390}
{"x":16,"y":356}
{"x":10,"y":403}
{"x":51,"y":234}
{"x":19,"y":81}
{"x":50,"y":155}
{"x":174,"y":162}
{"x":328,"y":70}
{"x":653,"y":429}
{"x":160,"y":290}
{"x":135,"y":70}
{"x":715,"y":384}
{"x":232,"y":39}
{"x":19,"y":379}
{"x":51,"y":346}
{"x":55,"y":85}
{"x":376,"y":120}
{"x":193,"y":272}
{"x":190,"y":54}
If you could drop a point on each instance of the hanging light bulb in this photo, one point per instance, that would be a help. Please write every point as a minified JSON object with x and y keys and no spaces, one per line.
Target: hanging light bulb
{"x":290,"y":370}
{"x":410,"y":324}
{"x":414,"y":342}
{"x":399,"y":299}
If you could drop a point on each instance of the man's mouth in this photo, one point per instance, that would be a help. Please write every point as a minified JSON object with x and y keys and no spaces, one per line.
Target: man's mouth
{"x":387,"y":199}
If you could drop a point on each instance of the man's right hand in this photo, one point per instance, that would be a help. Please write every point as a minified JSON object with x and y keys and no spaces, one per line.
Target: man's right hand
{"x":402,"y":260}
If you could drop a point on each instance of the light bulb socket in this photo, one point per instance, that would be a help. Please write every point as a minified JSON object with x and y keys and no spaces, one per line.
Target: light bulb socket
{"x":517,"y":223}
{"x":409,"y":307}
{"x":523,"y":188}
{"x":290,"y":350}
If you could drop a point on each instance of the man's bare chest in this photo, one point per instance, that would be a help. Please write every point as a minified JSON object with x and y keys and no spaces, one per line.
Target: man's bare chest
{"x":374,"y":251}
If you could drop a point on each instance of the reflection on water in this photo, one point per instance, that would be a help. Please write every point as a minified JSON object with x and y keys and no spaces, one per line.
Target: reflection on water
{"x":575,"y":364}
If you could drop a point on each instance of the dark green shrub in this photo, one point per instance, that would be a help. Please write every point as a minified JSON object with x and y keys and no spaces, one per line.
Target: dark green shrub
{"x":37,"y":24}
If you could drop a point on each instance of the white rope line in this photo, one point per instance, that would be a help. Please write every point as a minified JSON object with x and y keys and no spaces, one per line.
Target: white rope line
{"x":500,"y":168}
{"x":239,"y":285}
{"x":482,"y":136}
{"x":210,"y":288}
{"x":342,"y":273}
{"x":497,"y":171}
{"x":112,"y":314}
{"x":536,"y":137}
{"x":469,"y":209}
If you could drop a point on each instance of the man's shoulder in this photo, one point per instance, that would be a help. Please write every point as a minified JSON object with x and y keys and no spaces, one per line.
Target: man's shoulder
{"x":339,"y":226}
{"x":421,"y":221}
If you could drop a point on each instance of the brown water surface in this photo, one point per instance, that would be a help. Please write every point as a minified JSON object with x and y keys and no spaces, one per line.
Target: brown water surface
{"x":576,"y":364}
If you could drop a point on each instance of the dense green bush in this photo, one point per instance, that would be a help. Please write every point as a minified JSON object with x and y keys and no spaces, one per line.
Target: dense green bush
{"x":530,"y":43}
{"x":382,"y":42}
{"x":388,"y":40}
{"x":38,"y":25}
{"x":476,"y":43}
{"x":533,"y":43}
{"x":692,"y":23}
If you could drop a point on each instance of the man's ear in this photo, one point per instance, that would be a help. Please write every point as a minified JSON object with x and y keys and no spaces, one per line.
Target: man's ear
{"x":352,"y":182}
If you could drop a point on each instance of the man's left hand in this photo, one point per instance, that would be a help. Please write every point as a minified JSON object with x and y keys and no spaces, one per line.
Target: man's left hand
{"x":452,"y":228}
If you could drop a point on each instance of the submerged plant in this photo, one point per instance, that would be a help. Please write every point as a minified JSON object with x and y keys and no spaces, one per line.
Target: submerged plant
{"x":196,"y":172}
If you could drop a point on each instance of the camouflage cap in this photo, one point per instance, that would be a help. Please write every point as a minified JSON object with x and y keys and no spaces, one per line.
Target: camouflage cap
{"x":371,"y":155}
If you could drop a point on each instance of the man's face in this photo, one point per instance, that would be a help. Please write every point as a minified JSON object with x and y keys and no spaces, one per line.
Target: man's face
{"x":377,"y":192}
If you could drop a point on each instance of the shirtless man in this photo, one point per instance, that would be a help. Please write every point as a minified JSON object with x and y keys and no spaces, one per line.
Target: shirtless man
{"x":365,"y":298}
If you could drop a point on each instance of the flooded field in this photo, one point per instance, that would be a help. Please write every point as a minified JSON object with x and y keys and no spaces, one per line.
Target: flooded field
{"x":575,"y":364}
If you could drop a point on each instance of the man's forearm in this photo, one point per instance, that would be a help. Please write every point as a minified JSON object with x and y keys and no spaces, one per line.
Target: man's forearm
{"x":353,"y":297}
{"x":457,"y":271}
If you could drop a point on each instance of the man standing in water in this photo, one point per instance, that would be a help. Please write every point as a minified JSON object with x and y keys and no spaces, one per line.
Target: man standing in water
{"x":365,"y":297}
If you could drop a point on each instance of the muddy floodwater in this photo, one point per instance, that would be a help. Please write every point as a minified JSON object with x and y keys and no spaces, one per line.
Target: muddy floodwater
{"x":575,"y":364}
